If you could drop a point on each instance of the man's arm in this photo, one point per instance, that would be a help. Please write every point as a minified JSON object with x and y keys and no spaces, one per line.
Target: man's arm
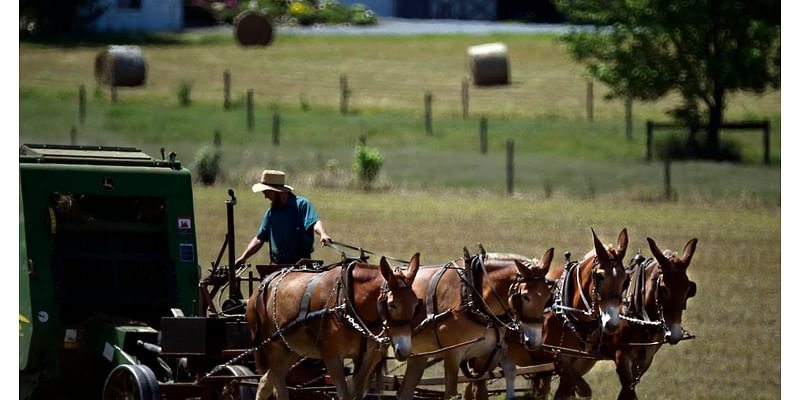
{"x":251,"y":249}
{"x":324,"y":238}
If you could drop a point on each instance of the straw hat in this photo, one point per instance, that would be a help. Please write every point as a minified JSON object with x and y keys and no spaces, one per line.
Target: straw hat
{"x":272,"y":180}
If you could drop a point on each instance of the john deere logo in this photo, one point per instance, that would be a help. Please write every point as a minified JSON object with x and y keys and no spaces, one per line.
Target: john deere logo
{"x":22,"y":319}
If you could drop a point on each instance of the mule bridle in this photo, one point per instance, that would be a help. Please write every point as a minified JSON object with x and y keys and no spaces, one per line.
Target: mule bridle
{"x":383,"y":308}
{"x":661,"y":321}
{"x":515,"y":294}
{"x":565,"y":313}
{"x":513,"y":320}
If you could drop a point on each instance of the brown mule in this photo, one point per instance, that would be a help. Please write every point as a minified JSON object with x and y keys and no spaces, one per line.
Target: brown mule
{"x":586,"y":310}
{"x":330,"y":315}
{"x":653,"y":315}
{"x":476,"y":305}
{"x":539,"y":291}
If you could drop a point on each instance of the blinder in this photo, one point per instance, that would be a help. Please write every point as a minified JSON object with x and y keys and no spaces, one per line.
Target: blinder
{"x":692,"y":290}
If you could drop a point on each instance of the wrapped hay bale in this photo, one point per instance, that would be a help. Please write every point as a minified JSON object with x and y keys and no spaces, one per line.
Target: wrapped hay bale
{"x":120,"y":66}
{"x":488,"y":64}
{"x":253,"y":28}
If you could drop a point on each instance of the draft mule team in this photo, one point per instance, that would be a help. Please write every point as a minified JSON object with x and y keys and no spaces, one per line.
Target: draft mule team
{"x":474,"y":313}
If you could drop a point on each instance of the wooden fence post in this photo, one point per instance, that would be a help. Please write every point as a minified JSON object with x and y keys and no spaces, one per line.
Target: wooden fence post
{"x":113,"y":85}
{"x":73,"y":136}
{"x":649,"y":145}
{"x":82,"y":103}
{"x":484,"y":135}
{"x":226,"y":84}
{"x":510,"y":166}
{"x":250,"y":117}
{"x":217,"y":138}
{"x":667,"y":178}
{"x":629,"y":118}
{"x":465,"y":98}
{"x":345,"y":93}
{"x":276,"y":128}
{"x":428,"y":112}
{"x":766,"y":142}
{"x":590,"y":100}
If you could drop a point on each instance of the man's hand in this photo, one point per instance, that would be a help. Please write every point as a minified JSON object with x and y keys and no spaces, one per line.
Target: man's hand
{"x":325,"y":240}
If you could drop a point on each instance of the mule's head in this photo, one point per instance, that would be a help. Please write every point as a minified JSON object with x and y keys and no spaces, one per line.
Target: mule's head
{"x":674,"y":287}
{"x":609,"y":279}
{"x":397,"y":305}
{"x":531,"y":297}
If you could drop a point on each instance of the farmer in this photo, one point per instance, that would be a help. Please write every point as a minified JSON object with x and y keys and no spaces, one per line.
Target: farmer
{"x":288,"y":224}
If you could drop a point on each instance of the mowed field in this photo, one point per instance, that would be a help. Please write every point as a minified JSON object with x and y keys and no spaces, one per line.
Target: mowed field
{"x":436,"y":193}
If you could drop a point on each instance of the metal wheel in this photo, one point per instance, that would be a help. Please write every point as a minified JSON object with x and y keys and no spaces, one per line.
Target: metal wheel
{"x":131,"y":382}
{"x":232,"y":390}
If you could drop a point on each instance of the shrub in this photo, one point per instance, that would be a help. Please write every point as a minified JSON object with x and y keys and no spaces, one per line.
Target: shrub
{"x":681,"y":147}
{"x":206,"y":165}
{"x":367,"y":165}
{"x":185,"y":93}
{"x":361,"y":15}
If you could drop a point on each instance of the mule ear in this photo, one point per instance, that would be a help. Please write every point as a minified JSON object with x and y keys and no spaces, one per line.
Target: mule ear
{"x":413,"y":267}
{"x":547,"y":259}
{"x":599,"y":250}
{"x":662,"y":261}
{"x":688,"y":251}
{"x":622,"y":243}
{"x":386,"y":271}
{"x":523,"y":270}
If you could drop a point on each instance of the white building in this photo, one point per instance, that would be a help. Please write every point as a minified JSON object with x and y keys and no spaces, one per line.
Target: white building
{"x":140,"y":16}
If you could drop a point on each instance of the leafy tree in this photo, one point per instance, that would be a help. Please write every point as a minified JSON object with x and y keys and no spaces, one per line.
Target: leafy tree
{"x":702,"y":49}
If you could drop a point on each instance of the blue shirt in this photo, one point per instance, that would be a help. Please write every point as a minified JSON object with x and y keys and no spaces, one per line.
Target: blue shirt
{"x":289,"y":230}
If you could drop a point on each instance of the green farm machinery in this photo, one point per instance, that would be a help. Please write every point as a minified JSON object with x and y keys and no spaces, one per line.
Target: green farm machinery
{"x":111,"y":301}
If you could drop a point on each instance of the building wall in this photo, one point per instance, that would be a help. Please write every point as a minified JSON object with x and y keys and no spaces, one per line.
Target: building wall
{"x":140,"y":16}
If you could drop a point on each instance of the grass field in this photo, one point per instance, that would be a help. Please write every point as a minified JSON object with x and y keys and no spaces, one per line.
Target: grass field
{"x":436,"y":193}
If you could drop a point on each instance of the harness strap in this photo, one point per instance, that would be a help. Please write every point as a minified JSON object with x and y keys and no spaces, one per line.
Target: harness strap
{"x":580,"y":289}
{"x":431,"y":306}
{"x":493,"y":356}
{"x":306,"y":300}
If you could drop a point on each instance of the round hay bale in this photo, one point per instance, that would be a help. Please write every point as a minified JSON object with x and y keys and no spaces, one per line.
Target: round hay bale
{"x":120,"y":66}
{"x":488,"y":64}
{"x":253,"y":28}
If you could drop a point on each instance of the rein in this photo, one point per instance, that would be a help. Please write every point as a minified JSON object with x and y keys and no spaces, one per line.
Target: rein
{"x":342,"y":246}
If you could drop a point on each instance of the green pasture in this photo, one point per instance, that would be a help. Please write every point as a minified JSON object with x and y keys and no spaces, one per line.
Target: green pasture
{"x":735,"y":315}
{"x":558,"y":152}
{"x":437,"y":193}
{"x":553,"y":157}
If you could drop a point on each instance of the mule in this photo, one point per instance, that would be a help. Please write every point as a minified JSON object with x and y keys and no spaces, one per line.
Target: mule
{"x":652,"y":316}
{"x":471,"y":303}
{"x":331,"y":315}
{"x":585,"y":312}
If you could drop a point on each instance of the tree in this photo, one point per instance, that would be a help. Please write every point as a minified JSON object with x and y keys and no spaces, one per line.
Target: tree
{"x":702,"y":49}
